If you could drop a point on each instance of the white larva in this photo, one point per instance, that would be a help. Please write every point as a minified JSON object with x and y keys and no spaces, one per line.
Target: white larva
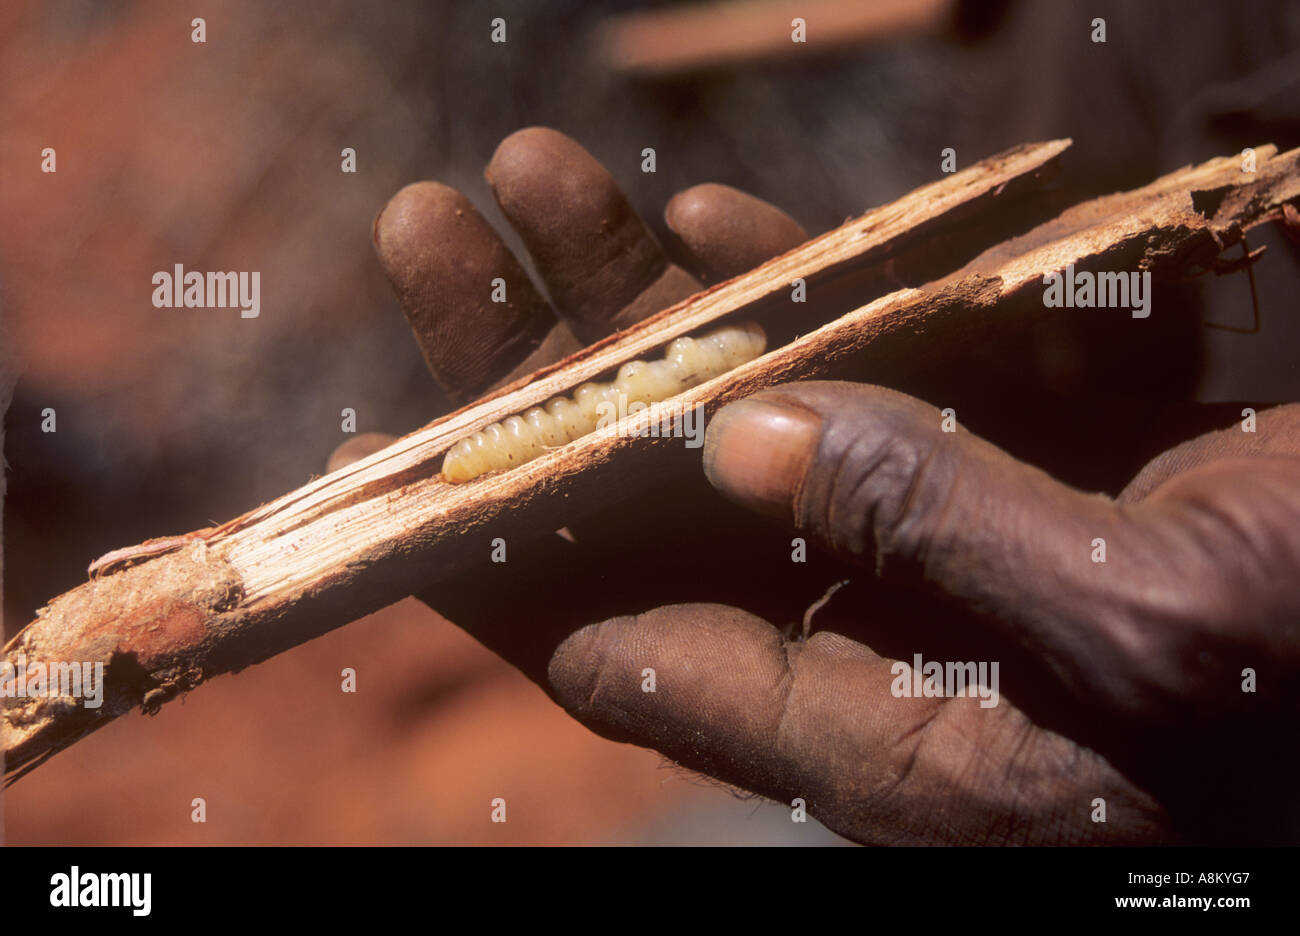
{"x":687,"y":362}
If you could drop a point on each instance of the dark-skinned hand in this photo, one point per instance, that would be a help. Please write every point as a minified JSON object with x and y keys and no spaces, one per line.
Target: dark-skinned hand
{"x":1122,"y":683}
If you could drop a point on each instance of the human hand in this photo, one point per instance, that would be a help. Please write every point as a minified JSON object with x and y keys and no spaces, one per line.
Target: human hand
{"x":1104,"y":691}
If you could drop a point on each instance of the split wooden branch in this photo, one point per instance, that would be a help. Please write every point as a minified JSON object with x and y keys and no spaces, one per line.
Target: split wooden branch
{"x":970,"y":252}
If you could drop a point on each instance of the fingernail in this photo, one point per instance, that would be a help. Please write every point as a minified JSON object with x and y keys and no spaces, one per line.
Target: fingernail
{"x":757,"y":453}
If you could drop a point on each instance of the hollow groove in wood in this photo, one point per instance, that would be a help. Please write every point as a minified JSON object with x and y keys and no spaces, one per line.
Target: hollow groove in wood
{"x":854,"y":245}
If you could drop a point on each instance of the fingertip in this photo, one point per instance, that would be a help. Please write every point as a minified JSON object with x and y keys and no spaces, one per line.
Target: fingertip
{"x":415,"y":213}
{"x":469,"y":302}
{"x":723,"y":232}
{"x":757,"y":453}
{"x":601,"y":265}
{"x":537,"y":171}
{"x":599,"y":673}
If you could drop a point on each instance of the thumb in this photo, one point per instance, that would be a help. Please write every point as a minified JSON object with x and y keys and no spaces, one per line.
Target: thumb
{"x":886,"y":478}
{"x":873,"y":474}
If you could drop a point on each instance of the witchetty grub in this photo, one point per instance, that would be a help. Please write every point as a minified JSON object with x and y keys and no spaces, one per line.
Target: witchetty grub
{"x":687,"y":362}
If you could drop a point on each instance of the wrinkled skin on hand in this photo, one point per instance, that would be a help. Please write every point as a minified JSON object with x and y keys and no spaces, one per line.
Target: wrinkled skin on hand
{"x":1120,"y":681}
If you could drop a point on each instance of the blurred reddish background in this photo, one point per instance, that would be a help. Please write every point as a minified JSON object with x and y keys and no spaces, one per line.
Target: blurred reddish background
{"x":226,"y":156}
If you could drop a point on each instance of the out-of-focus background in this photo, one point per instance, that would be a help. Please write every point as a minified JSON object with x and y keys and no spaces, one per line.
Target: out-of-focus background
{"x":226,"y":156}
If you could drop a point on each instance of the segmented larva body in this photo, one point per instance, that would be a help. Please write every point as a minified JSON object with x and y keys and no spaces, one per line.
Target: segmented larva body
{"x":687,"y":362}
